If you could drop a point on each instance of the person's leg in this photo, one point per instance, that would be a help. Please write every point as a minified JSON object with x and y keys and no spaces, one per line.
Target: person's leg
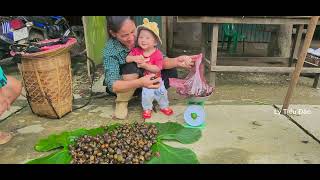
{"x":147,"y":98}
{"x":129,"y":71}
{"x":137,"y":92}
{"x":9,"y":93}
{"x":161,"y":96}
{"x":168,"y":73}
{"x":110,"y":92}
{"x":4,"y":104}
{"x":123,"y":98}
{"x":12,"y":90}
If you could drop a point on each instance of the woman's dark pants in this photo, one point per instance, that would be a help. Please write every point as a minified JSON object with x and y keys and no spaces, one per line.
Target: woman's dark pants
{"x":131,"y":68}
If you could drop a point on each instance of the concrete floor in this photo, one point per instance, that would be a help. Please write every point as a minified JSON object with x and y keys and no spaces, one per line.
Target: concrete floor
{"x":250,"y":134}
{"x":242,"y":126}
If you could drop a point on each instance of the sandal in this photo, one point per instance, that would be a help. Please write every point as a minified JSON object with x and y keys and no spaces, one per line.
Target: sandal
{"x":146,"y":114}
{"x":167,"y":111}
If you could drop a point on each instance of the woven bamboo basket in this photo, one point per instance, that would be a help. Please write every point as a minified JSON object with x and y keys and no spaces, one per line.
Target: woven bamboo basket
{"x":47,"y":78}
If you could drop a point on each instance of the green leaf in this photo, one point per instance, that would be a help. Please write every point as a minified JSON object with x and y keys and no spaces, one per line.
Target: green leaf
{"x":94,"y":132}
{"x":112,"y":127}
{"x":60,"y":157}
{"x":175,"y":131}
{"x":52,"y":142}
{"x":64,"y":139}
{"x":167,"y":131}
{"x":71,"y":136}
{"x":188,"y":135}
{"x":172,"y":155}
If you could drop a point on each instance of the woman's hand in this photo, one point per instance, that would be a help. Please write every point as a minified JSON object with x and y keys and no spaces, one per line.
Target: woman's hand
{"x":147,"y":82}
{"x":185,"y":61}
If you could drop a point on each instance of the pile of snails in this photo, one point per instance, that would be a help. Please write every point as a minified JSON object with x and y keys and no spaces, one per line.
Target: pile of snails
{"x":126,"y":144}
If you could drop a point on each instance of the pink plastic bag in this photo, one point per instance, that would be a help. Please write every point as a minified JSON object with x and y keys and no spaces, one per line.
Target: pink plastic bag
{"x":195,"y":83}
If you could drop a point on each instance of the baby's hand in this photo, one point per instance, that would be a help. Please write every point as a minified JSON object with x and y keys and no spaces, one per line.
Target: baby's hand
{"x":142,"y":64}
{"x":139,"y":59}
{"x":146,"y":59}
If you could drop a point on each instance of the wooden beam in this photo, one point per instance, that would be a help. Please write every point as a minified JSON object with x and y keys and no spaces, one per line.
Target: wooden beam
{"x":312,"y":64}
{"x":262,"y":69}
{"x":244,"y":20}
{"x":255,"y":59}
{"x":295,"y":76}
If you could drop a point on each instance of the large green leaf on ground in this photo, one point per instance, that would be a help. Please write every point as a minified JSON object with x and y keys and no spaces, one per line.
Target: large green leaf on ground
{"x":167,"y":131}
{"x":60,"y":157}
{"x":169,"y":155}
{"x":64,"y":139}
{"x":172,"y":155}
{"x":174,"y":131}
{"x":112,"y":127}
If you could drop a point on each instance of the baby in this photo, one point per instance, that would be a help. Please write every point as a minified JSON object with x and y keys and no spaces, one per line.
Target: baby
{"x":148,"y":57}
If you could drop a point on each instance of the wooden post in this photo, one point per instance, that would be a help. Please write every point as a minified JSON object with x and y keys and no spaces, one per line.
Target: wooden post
{"x":284,"y":40}
{"x":302,"y":56}
{"x":84,"y":22}
{"x":214,"y":52}
{"x":204,"y":49}
{"x":296,"y":44}
{"x":169,"y":26}
{"x":273,"y":48}
{"x":164,"y":34}
{"x":280,"y":43}
{"x":316,"y":80}
{"x":204,"y":36}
